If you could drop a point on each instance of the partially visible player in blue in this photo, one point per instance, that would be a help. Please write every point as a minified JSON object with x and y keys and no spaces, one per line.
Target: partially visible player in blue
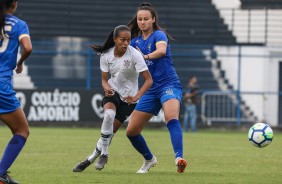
{"x":166,"y":92}
{"x":13,"y":32}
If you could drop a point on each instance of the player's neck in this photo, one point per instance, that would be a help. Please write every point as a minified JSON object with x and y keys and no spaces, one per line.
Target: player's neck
{"x":118,"y":53}
{"x":146,"y":34}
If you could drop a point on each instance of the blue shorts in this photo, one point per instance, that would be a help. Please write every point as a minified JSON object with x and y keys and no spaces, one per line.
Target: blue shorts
{"x":8,"y":100}
{"x":151,"y":102}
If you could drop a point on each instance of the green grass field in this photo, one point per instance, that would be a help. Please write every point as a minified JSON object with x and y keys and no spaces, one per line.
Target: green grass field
{"x":213,"y":157}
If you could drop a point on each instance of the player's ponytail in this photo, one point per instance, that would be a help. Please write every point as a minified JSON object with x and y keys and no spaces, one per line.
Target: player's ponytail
{"x":109,"y":43}
{"x":4,"y":5}
{"x":2,"y":17}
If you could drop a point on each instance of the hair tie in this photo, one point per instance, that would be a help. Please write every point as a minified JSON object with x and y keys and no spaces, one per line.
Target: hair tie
{"x":145,"y":4}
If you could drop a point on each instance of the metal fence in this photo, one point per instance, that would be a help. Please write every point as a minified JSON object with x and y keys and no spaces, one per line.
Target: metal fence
{"x":233,"y":106}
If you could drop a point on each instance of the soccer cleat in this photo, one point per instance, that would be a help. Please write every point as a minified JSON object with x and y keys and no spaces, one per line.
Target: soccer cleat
{"x":101,"y":162}
{"x":147,"y":165}
{"x":6,"y":179}
{"x":181,"y":165}
{"x":81,"y":166}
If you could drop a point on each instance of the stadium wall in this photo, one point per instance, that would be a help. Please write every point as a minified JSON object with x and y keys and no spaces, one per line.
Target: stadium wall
{"x":259,"y":76}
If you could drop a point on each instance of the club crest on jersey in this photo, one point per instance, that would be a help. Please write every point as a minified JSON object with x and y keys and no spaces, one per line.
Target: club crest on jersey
{"x":169,"y":91}
{"x":148,"y":62}
{"x":127,"y":64}
{"x":149,"y":47}
{"x":137,"y":41}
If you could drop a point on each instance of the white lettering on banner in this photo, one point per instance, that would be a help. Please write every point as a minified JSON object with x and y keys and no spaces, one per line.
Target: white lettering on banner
{"x":55,"y":99}
{"x":54,"y":106}
{"x":98,"y":109}
{"x":22,"y":99}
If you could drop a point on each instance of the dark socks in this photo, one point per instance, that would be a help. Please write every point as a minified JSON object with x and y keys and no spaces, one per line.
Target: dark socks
{"x":11,"y":152}
{"x":140,"y":145}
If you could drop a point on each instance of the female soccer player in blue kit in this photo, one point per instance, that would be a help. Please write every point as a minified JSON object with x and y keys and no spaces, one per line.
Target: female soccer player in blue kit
{"x":13,"y":32}
{"x":166,"y":92}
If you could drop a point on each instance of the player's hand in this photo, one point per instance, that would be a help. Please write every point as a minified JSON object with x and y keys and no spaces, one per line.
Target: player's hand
{"x":109,"y":92}
{"x":19,"y":68}
{"x":131,"y":99}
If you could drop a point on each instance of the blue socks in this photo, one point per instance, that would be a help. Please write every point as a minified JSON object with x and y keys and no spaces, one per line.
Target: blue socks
{"x":176,"y":137}
{"x":11,"y":152}
{"x":175,"y":131}
{"x":140,"y":145}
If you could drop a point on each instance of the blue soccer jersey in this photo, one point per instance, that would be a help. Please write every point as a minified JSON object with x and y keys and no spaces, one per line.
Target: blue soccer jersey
{"x":15,"y":29}
{"x":161,"y":69}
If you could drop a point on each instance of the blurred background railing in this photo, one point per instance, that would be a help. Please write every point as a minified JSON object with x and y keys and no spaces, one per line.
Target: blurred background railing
{"x":258,"y":26}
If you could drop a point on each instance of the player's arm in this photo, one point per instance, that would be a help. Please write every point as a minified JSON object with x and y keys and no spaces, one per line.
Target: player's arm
{"x":26,"y":51}
{"x":159,"y":52}
{"x":107,"y":88}
{"x":148,"y":82}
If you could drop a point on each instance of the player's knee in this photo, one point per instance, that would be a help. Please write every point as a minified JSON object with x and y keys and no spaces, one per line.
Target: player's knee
{"x":132,"y":131}
{"x":109,"y":115}
{"x":27,"y":133}
{"x":170,"y":117}
{"x":24,"y":132}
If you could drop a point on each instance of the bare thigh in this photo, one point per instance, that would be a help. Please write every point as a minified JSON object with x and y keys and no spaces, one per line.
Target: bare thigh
{"x":17,"y":122}
{"x":138,"y":120}
{"x":171,"y":109}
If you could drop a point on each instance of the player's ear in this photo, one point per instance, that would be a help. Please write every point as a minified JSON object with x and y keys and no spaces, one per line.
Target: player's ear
{"x":154,"y":19}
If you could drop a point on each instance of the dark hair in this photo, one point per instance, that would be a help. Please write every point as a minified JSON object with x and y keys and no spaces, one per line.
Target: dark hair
{"x":4,"y":5}
{"x":135,"y":31}
{"x":109,"y":43}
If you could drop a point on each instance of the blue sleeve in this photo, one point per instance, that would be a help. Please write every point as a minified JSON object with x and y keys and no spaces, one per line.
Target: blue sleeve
{"x":132,"y":43}
{"x":23,"y":28}
{"x":161,"y":36}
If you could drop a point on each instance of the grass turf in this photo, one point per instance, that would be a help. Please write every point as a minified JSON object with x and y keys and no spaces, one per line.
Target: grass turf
{"x":213,"y":157}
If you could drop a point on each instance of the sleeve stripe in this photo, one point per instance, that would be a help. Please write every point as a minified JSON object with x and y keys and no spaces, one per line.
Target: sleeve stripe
{"x":161,"y":42}
{"x":23,"y":35}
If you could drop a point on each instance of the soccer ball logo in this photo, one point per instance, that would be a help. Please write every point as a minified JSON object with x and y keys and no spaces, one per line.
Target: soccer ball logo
{"x":260,"y":135}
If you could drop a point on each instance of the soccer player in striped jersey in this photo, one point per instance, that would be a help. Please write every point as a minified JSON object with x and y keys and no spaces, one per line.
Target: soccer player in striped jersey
{"x":166,"y":92}
{"x":122,"y":63}
{"x":13,"y":32}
